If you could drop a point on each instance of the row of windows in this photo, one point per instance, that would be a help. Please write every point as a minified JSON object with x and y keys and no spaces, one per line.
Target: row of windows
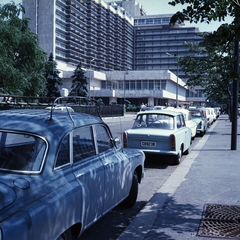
{"x":147,"y":21}
{"x":195,"y":93}
{"x":84,"y":144}
{"x":167,"y":31}
{"x":135,"y":85}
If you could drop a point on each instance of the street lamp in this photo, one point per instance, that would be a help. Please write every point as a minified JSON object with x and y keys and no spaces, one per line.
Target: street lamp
{"x":89,"y":78}
{"x":169,"y":54}
{"x":124,"y":86}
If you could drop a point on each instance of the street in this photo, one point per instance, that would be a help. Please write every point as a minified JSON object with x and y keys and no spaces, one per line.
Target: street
{"x":157,"y":171}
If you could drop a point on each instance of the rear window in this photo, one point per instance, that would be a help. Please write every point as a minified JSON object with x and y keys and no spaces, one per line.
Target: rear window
{"x":160,"y":121}
{"x":21,"y":152}
{"x":195,"y":113}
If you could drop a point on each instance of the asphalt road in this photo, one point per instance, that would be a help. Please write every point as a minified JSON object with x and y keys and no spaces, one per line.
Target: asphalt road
{"x":157,"y":171}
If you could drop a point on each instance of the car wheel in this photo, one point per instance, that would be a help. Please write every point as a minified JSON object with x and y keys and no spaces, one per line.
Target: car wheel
{"x":132,"y":197}
{"x":67,"y":235}
{"x":201,"y":133}
{"x":177,"y":158}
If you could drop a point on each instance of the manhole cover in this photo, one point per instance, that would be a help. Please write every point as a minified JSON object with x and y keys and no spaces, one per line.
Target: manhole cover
{"x":220,"y":221}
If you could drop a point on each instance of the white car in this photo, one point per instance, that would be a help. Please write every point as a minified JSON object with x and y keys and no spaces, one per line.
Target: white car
{"x":159,"y":132}
{"x":209,"y":116}
{"x":61,"y":108}
{"x":188,"y":119}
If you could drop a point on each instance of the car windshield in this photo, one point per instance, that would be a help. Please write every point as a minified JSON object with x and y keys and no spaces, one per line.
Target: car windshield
{"x":21,"y":152}
{"x":196,"y":114}
{"x":159,"y":121}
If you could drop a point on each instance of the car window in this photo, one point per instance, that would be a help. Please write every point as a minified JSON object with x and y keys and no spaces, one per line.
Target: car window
{"x":83,"y":143}
{"x":180,"y":121}
{"x":21,"y":152}
{"x":189,"y":117}
{"x":161,"y":121}
{"x":195,"y":113}
{"x":63,"y":153}
{"x":104,"y":141}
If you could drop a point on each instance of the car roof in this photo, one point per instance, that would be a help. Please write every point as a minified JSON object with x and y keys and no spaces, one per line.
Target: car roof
{"x":162,"y":111}
{"x":183,"y":110}
{"x":39,"y":121}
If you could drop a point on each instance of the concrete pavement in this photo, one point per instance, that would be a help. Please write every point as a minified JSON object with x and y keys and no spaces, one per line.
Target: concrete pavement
{"x":206,"y":183}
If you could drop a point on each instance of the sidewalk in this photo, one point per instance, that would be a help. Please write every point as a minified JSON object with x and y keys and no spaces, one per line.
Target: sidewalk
{"x":203,"y":189}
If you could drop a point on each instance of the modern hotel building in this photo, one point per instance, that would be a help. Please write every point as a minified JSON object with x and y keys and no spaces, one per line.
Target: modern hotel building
{"x":126,"y":53}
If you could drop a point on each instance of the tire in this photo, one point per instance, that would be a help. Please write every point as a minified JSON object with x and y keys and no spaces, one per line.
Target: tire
{"x":132,"y":197}
{"x":67,"y":235}
{"x":177,"y":158}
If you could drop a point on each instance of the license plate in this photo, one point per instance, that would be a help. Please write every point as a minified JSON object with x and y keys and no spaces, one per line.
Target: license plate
{"x":148,"y":144}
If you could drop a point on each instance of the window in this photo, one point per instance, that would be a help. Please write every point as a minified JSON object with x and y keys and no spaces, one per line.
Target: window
{"x":63,"y":153}
{"x":180,"y":121}
{"x":104,"y":142}
{"x":138,"y":85}
{"x":21,"y":152}
{"x":83,"y":143}
{"x":132,"y":85}
{"x":151,"y":84}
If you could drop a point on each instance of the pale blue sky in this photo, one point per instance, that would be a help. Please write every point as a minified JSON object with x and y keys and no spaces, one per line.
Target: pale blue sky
{"x":162,"y":7}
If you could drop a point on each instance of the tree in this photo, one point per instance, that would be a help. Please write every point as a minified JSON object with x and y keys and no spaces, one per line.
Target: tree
{"x":53,"y":81}
{"x":211,"y":10}
{"x":21,"y":58}
{"x":79,"y":82}
{"x":207,"y":67}
{"x":215,"y":71}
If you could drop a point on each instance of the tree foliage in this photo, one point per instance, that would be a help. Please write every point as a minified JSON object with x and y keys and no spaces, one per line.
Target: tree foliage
{"x":53,"y":81}
{"x":79,"y":82}
{"x":213,"y":66}
{"x":21,"y":58}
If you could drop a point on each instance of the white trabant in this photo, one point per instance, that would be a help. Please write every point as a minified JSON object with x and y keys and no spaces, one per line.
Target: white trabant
{"x":159,"y":132}
{"x":188,"y":120}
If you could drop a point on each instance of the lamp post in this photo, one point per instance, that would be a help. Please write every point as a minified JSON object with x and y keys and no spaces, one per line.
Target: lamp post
{"x":169,"y":54}
{"x":124,"y":90}
{"x":89,"y":79}
{"x":124,"y":86}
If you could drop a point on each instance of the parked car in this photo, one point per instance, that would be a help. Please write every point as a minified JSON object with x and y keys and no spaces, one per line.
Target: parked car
{"x":60,"y":173}
{"x":201,"y":121}
{"x":159,"y":132}
{"x":61,"y":108}
{"x":188,"y":120}
{"x":159,"y":107}
{"x":208,"y":115}
{"x":217,"y":111}
{"x":212,"y":112}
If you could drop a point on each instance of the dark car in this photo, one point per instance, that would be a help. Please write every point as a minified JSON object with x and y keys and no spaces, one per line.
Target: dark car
{"x":200,"y":119}
{"x":60,"y":172}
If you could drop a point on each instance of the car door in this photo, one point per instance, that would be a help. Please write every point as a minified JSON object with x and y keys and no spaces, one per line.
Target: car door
{"x":89,"y":171}
{"x":117,"y":168}
{"x":184,"y":130}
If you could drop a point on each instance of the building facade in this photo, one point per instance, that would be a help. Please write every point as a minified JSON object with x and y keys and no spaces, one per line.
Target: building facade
{"x":111,"y":37}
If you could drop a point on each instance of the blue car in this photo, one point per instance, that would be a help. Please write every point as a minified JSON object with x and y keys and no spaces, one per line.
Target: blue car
{"x":60,"y":172}
{"x":200,"y":120}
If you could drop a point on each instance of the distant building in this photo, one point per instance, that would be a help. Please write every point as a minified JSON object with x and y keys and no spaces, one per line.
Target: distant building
{"x":110,"y":37}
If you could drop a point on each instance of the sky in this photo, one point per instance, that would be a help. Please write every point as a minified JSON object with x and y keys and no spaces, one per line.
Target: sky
{"x":162,"y":7}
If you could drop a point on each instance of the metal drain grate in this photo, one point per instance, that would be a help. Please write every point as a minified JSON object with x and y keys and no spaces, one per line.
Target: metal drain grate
{"x":220,"y":221}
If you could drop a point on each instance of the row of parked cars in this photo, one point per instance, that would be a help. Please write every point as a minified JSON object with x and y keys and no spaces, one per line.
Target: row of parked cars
{"x":168,"y":130}
{"x":60,"y":171}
